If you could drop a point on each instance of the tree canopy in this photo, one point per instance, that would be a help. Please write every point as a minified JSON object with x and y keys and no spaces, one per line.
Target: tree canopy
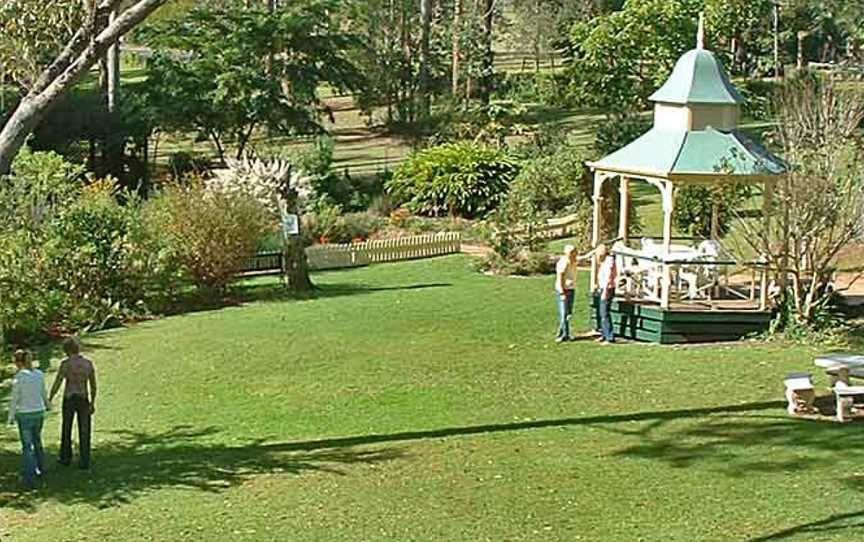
{"x":240,"y":70}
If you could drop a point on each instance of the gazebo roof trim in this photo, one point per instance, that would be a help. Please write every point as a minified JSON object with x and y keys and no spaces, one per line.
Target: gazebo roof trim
{"x":707,"y":152}
{"x":698,"y":78}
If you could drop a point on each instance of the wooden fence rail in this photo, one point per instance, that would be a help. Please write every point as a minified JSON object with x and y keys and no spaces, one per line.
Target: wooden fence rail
{"x":358,"y":254}
{"x":555,"y":228}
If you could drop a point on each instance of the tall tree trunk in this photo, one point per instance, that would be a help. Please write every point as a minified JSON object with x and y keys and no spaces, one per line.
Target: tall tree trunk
{"x":268,"y":62}
{"x":84,"y":49}
{"x":487,"y":71}
{"x":800,"y":62}
{"x":295,"y":266}
{"x":409,"y":94}
{"x":388,"y":59}
{"x":457,"y":53}
{"x":425,"y":60}
{"x":112,"y":63}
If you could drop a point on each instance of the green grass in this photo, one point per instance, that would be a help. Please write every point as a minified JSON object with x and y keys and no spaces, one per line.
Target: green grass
{"x":423,"y":401}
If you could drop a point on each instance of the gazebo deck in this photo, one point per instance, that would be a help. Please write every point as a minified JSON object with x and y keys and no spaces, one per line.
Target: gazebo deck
{"x":690,"y":322}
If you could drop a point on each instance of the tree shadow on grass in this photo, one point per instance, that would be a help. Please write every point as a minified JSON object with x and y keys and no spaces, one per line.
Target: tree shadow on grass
{"x":274,"y":291}
{"x":135,"y":463}
{"x":831,"y":524}
{"x":718,"y":437}
{"x":730,"y":444}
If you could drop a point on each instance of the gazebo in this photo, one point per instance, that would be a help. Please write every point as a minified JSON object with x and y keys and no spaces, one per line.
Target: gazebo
{"x":673,"y":292}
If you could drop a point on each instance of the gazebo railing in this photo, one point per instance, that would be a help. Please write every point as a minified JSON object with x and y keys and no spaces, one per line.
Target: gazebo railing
{"x":698,"y":280}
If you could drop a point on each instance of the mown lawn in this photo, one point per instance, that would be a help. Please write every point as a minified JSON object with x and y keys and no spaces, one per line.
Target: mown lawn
{"x":423,"y":401}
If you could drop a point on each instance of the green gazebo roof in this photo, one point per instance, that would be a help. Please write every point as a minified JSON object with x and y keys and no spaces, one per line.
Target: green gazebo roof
{"x":710,"y":152}
{"x":698,"y":78}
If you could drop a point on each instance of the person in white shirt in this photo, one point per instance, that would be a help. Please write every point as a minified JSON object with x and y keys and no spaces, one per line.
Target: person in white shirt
{"x":27,"y":408}
{"x":606,"y":276}
{"x":565,"y":284}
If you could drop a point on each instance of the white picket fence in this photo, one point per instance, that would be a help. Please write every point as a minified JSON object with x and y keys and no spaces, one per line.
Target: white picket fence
{"x":384,"y":250}
{"x":357,"y":254}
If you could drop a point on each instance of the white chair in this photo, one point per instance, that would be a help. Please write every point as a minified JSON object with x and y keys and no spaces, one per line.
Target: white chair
{"x":648,"y":274}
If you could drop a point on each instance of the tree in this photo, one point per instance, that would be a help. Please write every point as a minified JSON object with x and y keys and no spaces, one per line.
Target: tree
{"x":33,"y":33}
{"x":818,"y":205}
{"x":282,"y":188}
{"x":89,"y":44}
{"x":737,"y":31}
{"x":248,"y":69}
{"x":425,"y":56}
{"x":619,"y":59}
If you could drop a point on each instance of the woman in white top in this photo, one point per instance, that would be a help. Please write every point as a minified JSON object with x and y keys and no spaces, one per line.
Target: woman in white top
{"x":606,"y":277}
{"x":27,"y":407}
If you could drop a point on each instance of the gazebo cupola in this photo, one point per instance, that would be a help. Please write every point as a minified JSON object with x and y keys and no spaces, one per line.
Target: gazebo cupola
{"x":697,"y":95}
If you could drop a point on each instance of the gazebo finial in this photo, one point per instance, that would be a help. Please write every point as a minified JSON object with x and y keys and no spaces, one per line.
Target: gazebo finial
{"x":700,"y":35}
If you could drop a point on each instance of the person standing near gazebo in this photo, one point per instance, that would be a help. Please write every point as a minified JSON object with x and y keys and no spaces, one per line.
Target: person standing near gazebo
{"x":565,"y":285}
{"x":607,"y":274}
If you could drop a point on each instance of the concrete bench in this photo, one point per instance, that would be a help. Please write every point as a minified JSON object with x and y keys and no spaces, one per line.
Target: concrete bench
{"x":845,"y":396}
{"x":800,"y":394}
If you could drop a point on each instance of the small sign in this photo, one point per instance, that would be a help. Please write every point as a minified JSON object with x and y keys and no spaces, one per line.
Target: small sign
{"x":290,"y":224}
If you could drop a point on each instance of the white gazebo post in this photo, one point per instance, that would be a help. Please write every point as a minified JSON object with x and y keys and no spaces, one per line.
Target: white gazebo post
{"x":597,"y":225}
{"x":624,"y":209}
{"x":668,"y":193}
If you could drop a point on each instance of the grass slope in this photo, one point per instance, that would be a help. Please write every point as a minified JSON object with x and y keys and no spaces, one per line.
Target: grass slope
{"x":423,"y":401}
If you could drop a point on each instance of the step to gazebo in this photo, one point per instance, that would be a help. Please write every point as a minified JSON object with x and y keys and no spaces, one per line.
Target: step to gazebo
{"x":639,"y":321}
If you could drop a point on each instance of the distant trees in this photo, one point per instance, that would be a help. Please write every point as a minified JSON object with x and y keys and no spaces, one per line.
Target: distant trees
{"x":621,"y":58}
{"x":739,"y":32}
{"x":617,"y":59}
{"x":248,"y":69}
{"x":403,"y":57}
{"x":418,"y":50}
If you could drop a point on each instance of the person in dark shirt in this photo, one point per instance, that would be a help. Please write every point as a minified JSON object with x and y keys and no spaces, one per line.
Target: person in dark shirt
{"x":79,"y":401}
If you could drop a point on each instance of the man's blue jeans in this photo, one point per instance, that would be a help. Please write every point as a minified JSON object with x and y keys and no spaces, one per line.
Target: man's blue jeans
{"x":606,"y":318}
{"x":30,"y":431}
{"x":565,"y":310}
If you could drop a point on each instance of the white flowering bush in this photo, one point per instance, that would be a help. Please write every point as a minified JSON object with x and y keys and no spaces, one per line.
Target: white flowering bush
{"x":263,"y":180}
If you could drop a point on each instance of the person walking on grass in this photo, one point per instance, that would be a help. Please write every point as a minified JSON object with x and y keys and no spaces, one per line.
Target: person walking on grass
{"x":79,"y":401}
{"x":606,"y":276}
{"x":27,"y":408}
{"x":565,"y":284}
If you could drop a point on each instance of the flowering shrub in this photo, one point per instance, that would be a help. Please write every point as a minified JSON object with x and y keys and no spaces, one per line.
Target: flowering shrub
{"x":262,"y":180}
{"x":210,"y":232}
{"x":75,"y":258}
